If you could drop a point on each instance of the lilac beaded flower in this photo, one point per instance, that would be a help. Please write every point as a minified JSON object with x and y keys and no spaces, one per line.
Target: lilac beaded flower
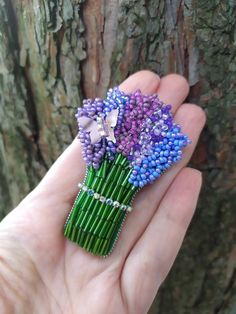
{"x":93,"y":153}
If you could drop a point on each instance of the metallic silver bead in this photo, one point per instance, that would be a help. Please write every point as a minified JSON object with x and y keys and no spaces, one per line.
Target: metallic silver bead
{"x":123,"y":207}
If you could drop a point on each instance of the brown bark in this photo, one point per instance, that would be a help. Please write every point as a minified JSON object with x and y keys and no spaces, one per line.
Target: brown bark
{"x":53,"y":53}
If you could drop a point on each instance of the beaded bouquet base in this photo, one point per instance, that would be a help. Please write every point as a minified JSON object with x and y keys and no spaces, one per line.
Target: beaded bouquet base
{"x":128,"y":141}
{"x":96,"y":219}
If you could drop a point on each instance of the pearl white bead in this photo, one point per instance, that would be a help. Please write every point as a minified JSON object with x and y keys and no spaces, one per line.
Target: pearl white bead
{"x":129,"y":209}
{"x":116,"y":204}
{"x":102,"y":199}
{"x":96,"y":196}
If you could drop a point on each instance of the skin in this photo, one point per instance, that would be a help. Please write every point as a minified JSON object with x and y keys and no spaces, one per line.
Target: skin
{"x":43,"y":272}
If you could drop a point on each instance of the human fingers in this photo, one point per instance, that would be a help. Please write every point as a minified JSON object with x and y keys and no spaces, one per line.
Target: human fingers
{"x":153,"y":255}
{"x":192,"y":120}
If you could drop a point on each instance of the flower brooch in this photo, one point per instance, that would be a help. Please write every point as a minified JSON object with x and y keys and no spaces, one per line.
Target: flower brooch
{"x":128,"y":141}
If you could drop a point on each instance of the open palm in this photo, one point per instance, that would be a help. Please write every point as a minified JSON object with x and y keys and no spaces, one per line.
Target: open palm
{"x":43,"y":272}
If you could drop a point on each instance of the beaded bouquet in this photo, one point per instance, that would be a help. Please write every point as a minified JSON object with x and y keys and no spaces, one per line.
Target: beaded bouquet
{"x":128,"y":141}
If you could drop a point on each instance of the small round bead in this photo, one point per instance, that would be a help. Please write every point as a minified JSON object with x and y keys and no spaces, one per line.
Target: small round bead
{"x":85,"y":188}
{"x":129,"y":209}
{"x":90,"y":192}
{"x":80,"y":185}
{"x":102,"y":199}
{"x":96,"y":196}
{"x":116,"y":204}
{"x":109,"y":201}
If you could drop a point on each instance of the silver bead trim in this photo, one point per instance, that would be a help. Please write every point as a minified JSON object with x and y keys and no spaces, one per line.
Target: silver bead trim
{"x":103,"y":199}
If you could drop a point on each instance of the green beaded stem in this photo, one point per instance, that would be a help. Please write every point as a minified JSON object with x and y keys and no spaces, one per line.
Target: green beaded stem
{"x":93,"y":225}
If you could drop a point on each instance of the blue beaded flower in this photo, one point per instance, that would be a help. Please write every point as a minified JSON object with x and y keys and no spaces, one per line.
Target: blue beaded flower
{"x":155,"y":157}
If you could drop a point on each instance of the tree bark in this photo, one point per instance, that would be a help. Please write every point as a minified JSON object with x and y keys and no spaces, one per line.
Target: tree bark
{"x":54,"y":53}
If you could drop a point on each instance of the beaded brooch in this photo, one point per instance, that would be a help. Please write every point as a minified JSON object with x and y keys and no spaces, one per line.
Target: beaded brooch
{"x":128,"y":141}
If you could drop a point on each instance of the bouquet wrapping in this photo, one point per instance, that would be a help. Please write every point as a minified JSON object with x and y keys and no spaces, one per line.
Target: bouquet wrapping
{"x":128,"y":141}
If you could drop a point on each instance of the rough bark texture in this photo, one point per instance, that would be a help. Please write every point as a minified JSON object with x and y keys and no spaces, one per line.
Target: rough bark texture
{"x":53,"y":53}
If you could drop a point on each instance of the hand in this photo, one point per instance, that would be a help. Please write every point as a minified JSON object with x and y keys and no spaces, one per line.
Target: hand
{"x":43,"y":272}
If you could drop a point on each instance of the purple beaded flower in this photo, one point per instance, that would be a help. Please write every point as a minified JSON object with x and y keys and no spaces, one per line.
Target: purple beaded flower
{"x":138,"y":108}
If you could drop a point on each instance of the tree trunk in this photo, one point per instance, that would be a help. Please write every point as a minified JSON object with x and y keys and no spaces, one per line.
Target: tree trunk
{"x":53,"y":53}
